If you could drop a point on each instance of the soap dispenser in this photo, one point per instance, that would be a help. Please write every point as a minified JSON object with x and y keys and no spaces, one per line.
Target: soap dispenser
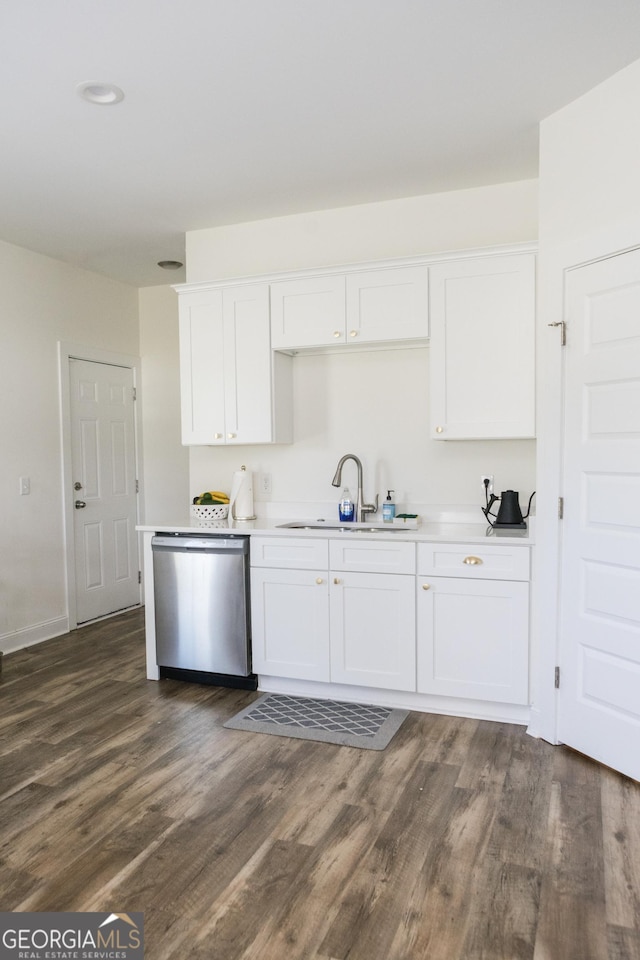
{"x":388,"y":508}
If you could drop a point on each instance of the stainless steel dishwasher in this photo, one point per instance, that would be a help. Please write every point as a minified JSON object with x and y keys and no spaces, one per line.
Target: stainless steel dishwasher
{"x":201,"y":589}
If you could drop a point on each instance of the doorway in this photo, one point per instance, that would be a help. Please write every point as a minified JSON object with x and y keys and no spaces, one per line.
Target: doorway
{"x":101,"y":482}
{"x":599,"y":690}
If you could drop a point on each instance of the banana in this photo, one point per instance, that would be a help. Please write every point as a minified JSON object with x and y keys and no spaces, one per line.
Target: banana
{"x":212,"y":497}
{"x":219,"y":495}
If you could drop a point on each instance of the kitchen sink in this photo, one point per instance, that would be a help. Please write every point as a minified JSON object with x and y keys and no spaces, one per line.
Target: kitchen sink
{"x":344,"y":527}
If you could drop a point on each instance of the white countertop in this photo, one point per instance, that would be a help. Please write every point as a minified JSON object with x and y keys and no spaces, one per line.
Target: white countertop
{"x":427,"y":531}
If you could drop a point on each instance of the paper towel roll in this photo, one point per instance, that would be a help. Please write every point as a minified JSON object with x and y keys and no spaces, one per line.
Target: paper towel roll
{"x":241,"y":499}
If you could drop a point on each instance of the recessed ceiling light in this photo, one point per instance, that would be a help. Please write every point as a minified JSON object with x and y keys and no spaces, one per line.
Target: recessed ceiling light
{"x":170,"y":264}
{"x":101,"y":93}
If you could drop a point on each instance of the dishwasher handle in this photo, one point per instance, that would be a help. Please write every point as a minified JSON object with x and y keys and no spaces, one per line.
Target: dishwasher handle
{"x":178,"y":544}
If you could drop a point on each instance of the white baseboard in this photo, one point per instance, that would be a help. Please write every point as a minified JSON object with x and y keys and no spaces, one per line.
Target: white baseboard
{"x":423,"y":703}
{"x":9,"y":642}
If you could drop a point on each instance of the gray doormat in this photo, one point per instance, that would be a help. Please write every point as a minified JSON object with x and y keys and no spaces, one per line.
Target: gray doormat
{"x":330,"y":721}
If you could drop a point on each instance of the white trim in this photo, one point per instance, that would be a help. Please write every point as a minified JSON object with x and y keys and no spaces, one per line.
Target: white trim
{"x":512,"y":249}
{"x":28,"y":636}
{"x":68,"y":350}
{"x":406,"y":700}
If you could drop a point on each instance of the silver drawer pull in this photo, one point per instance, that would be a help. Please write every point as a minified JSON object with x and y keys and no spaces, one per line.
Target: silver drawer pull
{"x":472,"y":561}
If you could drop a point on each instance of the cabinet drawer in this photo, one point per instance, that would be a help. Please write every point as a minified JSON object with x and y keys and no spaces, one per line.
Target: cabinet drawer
{"x":300,"y":553}
{"x":475,"y":561}
{"x":377,"y":556}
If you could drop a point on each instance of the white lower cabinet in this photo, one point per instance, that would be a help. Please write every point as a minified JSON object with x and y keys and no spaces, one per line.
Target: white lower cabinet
{"x":336,"y":622}
{"x":290,"y":623}
{"x":345,"y":611}
{"x":372,"y":630}
{"x":473,"y":631}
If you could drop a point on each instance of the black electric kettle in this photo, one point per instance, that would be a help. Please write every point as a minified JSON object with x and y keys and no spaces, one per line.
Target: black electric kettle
{"x":509,"y":513}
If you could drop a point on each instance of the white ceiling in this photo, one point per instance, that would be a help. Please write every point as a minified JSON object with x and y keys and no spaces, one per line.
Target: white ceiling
{"x":243,"y":109}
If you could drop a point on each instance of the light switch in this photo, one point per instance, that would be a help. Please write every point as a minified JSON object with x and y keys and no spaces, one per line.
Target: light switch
{"x":25,"y":486}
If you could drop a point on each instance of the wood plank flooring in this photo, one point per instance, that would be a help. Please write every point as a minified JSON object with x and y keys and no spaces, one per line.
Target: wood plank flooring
{"x":463,"y":840}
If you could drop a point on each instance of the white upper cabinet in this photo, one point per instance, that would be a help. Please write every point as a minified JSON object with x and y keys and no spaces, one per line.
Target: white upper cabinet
{"x":233,"y":389}
{"x":482,"y":353}
{"x":307,"y":312}
{"x":369,"y":306}
{"x":390,"y":304}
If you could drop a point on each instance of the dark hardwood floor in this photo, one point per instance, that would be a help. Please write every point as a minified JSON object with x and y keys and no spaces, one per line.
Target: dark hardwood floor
{"x":462,"y":840}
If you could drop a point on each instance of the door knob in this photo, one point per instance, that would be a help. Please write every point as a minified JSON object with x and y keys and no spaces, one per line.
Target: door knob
{"x":472,"y":561}
{"x":77,"y":485}
{"x":79,"y":504}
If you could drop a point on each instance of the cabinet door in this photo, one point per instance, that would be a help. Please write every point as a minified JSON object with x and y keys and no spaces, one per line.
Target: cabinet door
{"x":247,"y":364}
{"x":290,"y":623}
{"x":202,"y":367}
{"x":372,"y":619}
{"x":388,"y":304}
{"x":473,"y":639}
{"x":309,"y":312}
{"x":482,"y":314}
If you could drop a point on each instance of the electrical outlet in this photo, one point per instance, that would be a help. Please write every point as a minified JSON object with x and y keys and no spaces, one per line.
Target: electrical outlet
{"x":265,"y":484}
{"x":489,"y":477}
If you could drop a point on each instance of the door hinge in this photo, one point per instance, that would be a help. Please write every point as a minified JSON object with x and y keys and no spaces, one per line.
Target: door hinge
{"x":137,"y":486}
{"x":560,"y":507}
{"x":563,"y":331}
{"x":135,"y":394}
{"x":139,"y":576}
{"x":556,"y":682}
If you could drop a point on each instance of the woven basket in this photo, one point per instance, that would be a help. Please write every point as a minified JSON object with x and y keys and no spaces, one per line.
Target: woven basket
{"x":212,"y":511}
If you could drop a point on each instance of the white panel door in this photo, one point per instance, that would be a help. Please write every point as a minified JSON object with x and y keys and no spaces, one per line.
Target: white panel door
{"x":104,"y":494}
{"x":599,"y":698}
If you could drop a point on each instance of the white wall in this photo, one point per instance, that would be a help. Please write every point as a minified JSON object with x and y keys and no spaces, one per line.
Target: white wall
{"x":589,"y":208}
{"x":505,"y":213}
{"x":43,"y":301}
{"x":372,"y":404}
{"x":166,"y":461}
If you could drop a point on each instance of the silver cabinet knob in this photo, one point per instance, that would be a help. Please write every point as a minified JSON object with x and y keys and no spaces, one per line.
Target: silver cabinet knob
{"x":80,"y":504}
{"x":336,"y":580}
{"x":426,"y":586}
{"x":337,"y":334}
{"x":231,"y":436}
{"x":439,"y":429}
{"x":217,"y":436}
{"x":353,"y":333}
{"x":472,"y":561}
{"x":319,"y":580}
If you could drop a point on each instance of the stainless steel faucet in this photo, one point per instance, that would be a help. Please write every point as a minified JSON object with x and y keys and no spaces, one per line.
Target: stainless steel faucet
{"x":361,"y":508}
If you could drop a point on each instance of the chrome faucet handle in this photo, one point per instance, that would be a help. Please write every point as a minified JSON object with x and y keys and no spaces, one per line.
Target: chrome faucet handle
{"x":369,"y":507}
